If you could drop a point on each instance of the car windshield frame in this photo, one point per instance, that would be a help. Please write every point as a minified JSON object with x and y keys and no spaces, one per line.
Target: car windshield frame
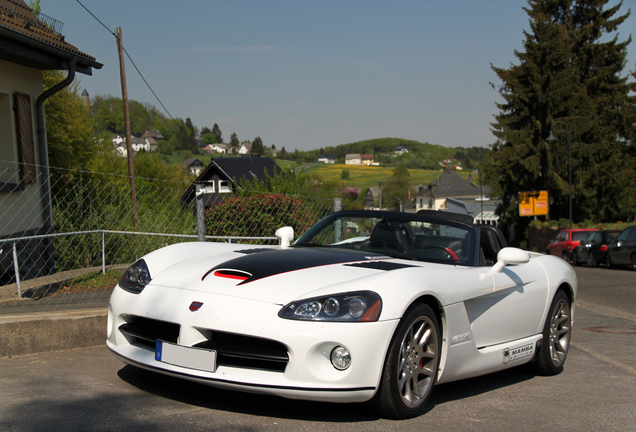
{"x":410,"y":236}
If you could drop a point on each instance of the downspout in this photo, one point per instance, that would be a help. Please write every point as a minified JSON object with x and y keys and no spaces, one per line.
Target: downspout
{"x":44,"y":157}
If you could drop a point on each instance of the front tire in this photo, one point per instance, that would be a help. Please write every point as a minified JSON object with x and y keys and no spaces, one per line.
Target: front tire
{"x":411,"y":366}
{"x":591,"y":262}
{"x":556,"y":336}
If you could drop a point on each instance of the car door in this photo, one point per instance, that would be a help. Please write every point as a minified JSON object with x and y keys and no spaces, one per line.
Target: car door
{"x":560,"y":243}
{"x":514,"y":309}
{"x":624,"y":245}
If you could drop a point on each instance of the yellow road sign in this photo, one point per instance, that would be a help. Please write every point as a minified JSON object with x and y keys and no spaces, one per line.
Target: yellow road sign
{"x":533,"y":203}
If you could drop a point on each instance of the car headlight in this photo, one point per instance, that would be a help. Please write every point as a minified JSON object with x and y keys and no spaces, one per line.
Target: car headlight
{"x":136,"y":277}
{"x":362,"y":306}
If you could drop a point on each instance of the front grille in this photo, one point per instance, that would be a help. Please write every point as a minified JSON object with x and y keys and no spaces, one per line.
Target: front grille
{"x":144,"y":332}
{"x":247,"y":351}
{"x":232,"y":349}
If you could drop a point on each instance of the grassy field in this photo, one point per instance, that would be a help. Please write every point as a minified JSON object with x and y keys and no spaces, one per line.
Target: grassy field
{"x":361,"y":177}
{"x":364,"y":177}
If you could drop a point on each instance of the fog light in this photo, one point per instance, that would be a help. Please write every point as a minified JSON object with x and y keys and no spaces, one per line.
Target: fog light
{"x":340,"y":358}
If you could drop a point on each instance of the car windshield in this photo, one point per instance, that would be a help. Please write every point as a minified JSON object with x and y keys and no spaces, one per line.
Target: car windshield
{"x":399,"y":235}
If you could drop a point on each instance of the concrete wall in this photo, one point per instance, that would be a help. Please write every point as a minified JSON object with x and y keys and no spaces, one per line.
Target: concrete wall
{"x":51,"y":331}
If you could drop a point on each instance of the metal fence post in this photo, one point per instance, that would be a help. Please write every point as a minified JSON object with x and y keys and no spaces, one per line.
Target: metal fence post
{"x":337,"y":204}
{"x":200,"y":213}
{"x":16,"y":269}
{"x":103,"y":255}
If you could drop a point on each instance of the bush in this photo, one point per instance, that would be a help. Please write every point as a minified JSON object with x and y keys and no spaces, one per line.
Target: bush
{"x":258,"y":216}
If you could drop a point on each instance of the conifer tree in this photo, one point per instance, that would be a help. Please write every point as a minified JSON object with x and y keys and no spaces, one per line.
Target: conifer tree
{"x":567,"y":78}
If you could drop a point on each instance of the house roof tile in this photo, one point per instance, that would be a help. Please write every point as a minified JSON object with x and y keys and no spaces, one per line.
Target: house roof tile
{"x":25,"y":32}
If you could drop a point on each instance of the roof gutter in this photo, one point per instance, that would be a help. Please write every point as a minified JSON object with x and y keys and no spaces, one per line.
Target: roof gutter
{"x":44,"y":157}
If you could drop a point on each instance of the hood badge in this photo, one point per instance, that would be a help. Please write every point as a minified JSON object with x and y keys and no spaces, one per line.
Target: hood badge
{"x":195,"y":306}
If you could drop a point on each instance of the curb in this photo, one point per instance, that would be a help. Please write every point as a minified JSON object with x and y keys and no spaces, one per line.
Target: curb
{"x":51,"y":331}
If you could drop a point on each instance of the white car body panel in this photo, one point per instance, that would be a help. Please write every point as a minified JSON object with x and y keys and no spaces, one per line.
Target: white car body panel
{"x":490,"y":320}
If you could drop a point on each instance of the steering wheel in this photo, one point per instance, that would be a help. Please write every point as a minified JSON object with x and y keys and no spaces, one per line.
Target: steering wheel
{"x":446,"y":249}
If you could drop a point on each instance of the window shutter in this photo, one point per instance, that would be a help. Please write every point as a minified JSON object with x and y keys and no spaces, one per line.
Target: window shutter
{"x":26,"y":147}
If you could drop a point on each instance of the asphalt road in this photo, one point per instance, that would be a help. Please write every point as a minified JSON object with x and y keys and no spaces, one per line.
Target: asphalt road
{"x":89,"y":389}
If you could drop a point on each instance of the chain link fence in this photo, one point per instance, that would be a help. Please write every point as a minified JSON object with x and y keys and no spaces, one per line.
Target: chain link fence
{"x":68,"y":248}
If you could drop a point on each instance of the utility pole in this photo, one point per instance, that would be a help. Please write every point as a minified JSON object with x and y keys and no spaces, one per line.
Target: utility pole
{"x":124,"y":94}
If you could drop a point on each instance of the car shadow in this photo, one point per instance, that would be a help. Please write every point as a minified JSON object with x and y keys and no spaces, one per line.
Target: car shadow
{"x":200,"y":395}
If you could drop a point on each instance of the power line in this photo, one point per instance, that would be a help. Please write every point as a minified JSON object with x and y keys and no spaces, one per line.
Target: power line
{"x":107,"y":29}
{"x":133,"y":63}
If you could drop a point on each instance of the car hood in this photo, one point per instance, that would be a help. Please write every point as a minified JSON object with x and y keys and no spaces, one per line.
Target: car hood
{"x":276,"y":276}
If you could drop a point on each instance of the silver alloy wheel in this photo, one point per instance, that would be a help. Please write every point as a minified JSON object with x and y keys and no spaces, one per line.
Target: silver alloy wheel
{"x":560,"y":331}
{"x":417,"y":365}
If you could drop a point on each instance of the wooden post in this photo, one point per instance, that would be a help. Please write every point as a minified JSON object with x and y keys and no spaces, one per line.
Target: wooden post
{"x":124,"y":94}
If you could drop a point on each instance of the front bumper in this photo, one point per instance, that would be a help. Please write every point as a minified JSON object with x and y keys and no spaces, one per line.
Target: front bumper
{"x":282,"y":357}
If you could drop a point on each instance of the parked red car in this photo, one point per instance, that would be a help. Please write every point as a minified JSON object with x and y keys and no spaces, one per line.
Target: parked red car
{"x":567,"y":240}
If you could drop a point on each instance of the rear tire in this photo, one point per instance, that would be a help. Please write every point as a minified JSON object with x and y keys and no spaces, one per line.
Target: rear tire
{"x":575,"y":258}
{"x":556,"y":336}
{"x":608,"y":261}
{"x":632,"y":265}
{"x":411,"y":365}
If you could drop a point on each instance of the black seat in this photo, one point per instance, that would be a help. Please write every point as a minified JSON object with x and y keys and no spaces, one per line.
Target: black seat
{"x":489,"y":245}
{"x":387,"y":235}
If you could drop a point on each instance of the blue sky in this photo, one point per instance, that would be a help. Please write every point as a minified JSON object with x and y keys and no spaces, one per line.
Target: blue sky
{"x":311,"y":74}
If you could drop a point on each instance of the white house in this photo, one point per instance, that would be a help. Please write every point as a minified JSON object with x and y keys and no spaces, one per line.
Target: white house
{"x":27,"y":47}
{"x":327,"y":159}
{"x":245,"y":148}
{"x":219,"y":148}
{"x":353,"y":159}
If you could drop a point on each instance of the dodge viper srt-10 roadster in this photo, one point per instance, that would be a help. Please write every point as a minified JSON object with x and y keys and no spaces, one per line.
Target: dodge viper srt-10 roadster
{"x":365,"y":306}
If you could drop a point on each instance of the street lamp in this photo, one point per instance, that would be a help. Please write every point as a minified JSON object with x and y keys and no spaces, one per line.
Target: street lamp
{"x":553,"y":138}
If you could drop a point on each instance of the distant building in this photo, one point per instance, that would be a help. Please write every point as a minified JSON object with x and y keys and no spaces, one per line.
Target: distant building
{"x":367,"y":159}
{"x":400,"y":150}
{"x":453,"y":193}
{"x":224,"y":175}
{"x":353,"y":159}
{"x":192,"y":165}
{"x":326,"y":159}
{"x":245,"y":148}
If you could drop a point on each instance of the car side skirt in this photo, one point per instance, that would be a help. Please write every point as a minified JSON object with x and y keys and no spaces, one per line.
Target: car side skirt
{"x":465,"y":360}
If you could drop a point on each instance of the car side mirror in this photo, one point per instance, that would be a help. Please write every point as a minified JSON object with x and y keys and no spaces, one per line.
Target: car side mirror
{"x":508,"y":256}
{"x":285,"y":236}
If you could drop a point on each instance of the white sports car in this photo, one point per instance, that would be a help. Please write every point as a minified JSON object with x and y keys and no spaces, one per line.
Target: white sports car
{"x":365,"y":306}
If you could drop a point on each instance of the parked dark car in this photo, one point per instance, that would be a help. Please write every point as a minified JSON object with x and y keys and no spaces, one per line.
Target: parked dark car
{"x":622,"y":251}
{"x":593,"y":250}
{"x":566,"y":241}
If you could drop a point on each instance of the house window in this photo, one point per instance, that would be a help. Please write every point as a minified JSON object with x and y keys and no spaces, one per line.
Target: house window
{"x":7,"y":152}
{"x":24,"y":128}
{"x":224,"y":186}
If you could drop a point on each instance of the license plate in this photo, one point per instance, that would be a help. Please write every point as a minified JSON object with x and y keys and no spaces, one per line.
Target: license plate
{"x":187,"y":357}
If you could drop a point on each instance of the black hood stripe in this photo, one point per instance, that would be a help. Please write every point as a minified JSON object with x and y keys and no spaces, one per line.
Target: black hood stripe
{"x":275,"y":262}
